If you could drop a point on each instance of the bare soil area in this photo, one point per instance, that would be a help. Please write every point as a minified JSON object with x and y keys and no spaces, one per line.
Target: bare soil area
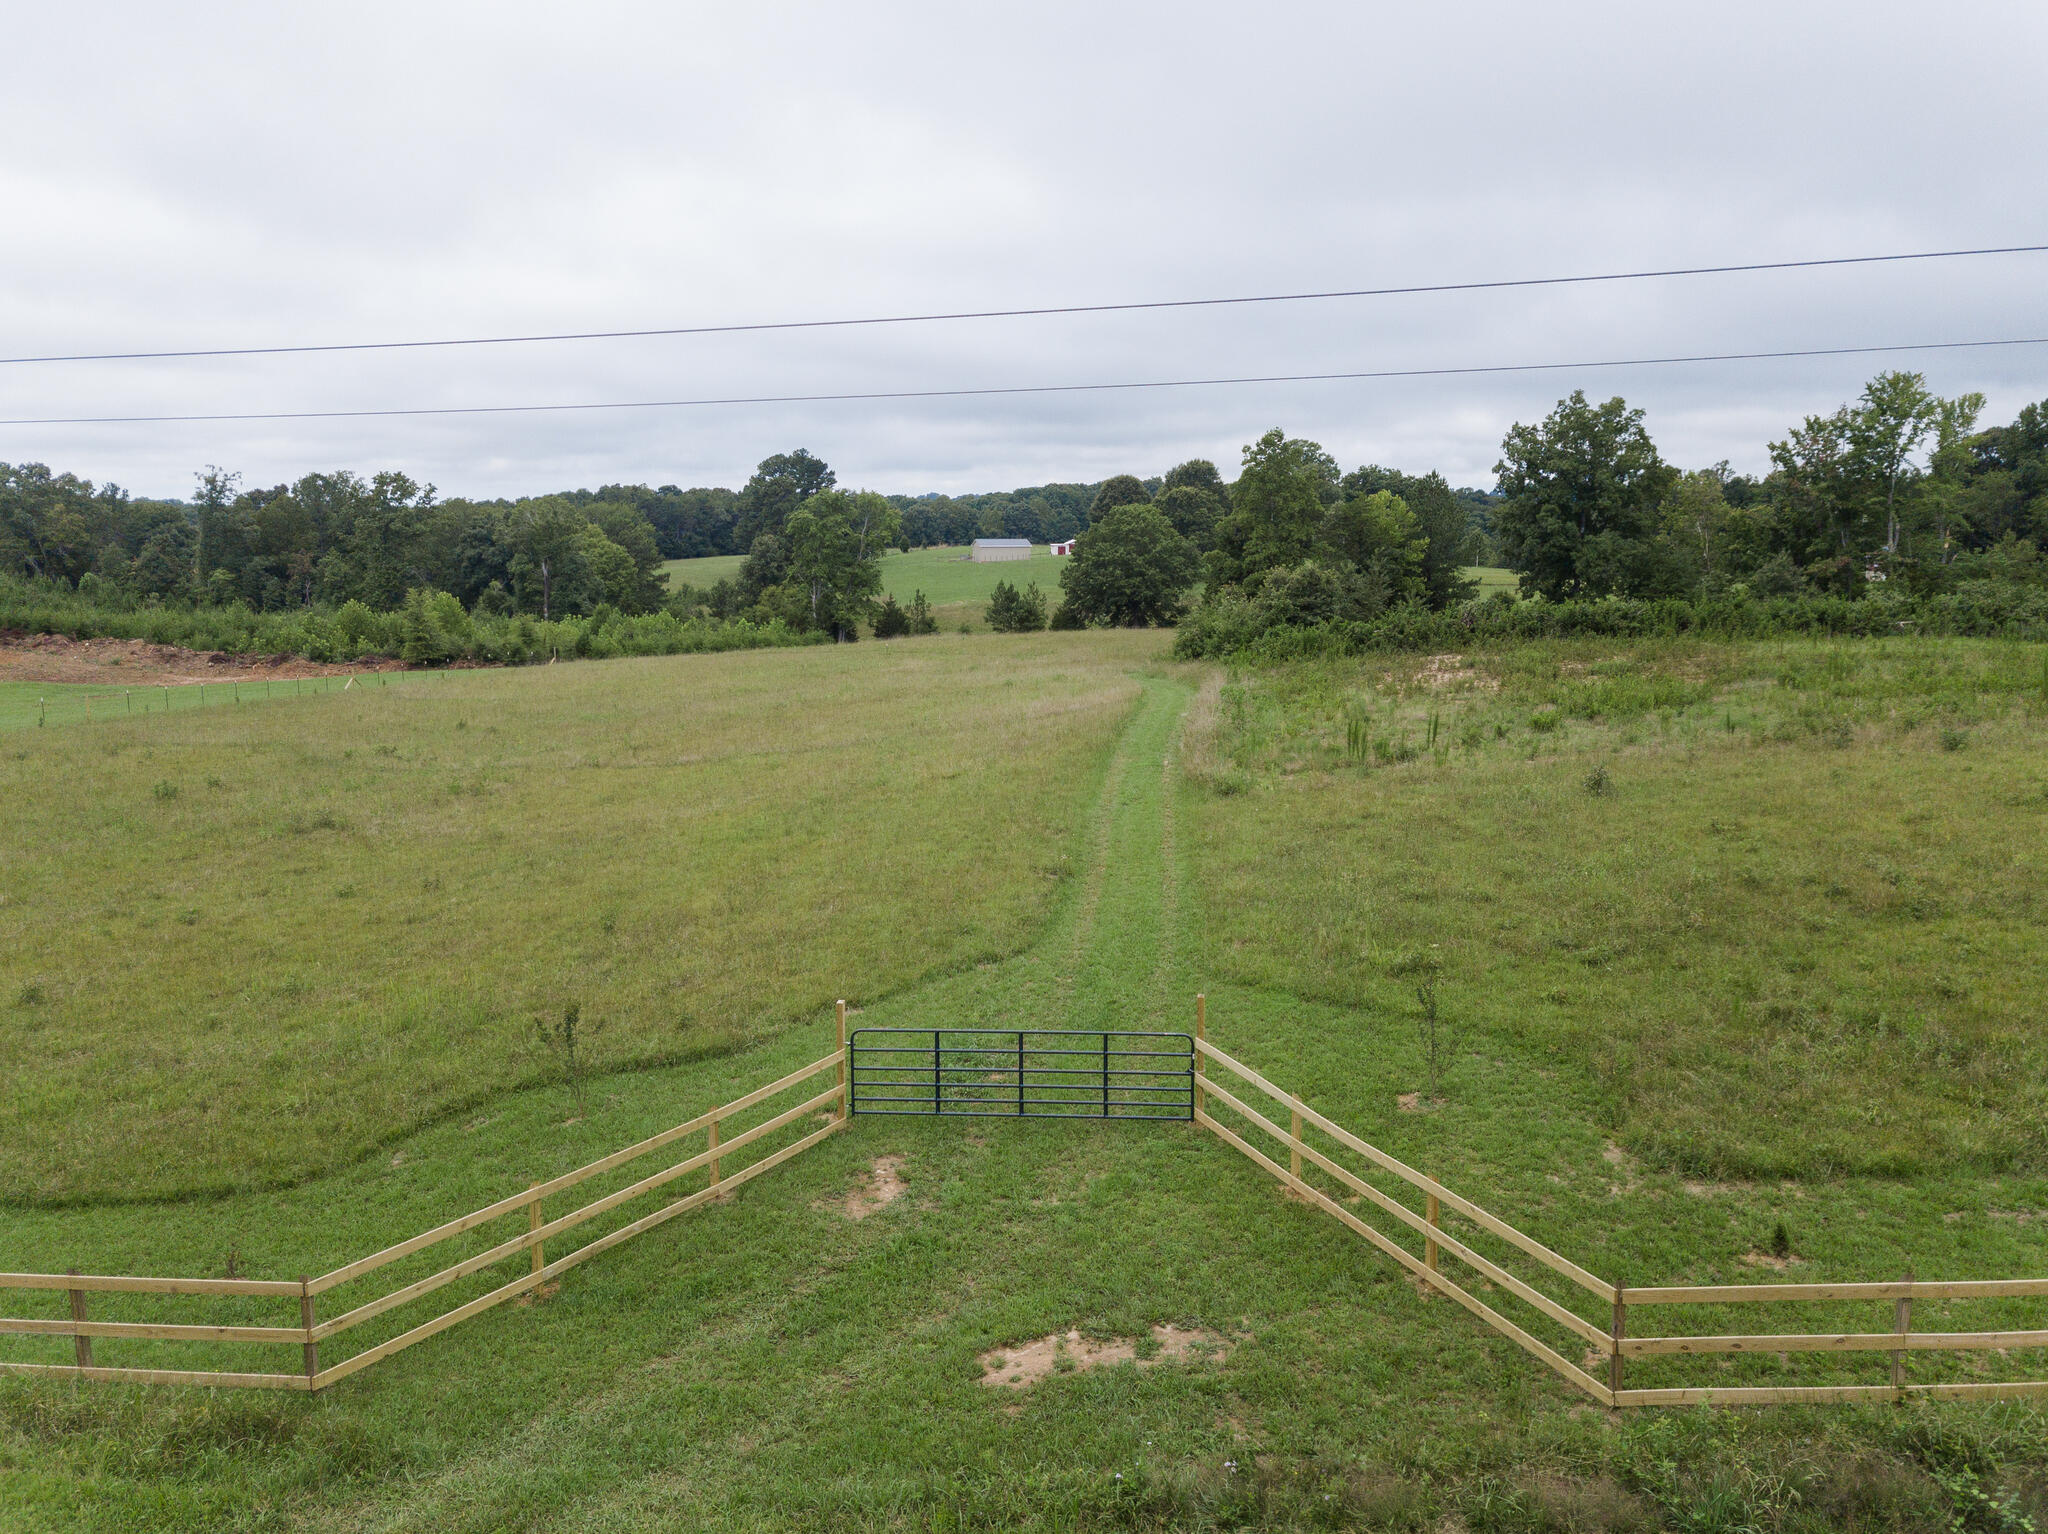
{"x":1024,"y":1364}
{"x":110,"y":662}
{"x":881,"y":1186}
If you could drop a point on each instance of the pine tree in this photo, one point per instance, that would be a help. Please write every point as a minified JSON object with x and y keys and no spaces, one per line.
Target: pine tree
{"x":891,"y":621}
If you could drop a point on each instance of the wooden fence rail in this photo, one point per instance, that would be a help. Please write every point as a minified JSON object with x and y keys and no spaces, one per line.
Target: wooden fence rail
{"x":310,"y":1333}
{"x":1609,"y":1340}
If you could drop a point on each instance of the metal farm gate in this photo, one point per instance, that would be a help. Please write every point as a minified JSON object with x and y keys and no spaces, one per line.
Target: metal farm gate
{"x":1021,"y":1073}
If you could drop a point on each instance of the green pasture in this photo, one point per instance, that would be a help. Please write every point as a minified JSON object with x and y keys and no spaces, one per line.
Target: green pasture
{"x":1492,"y":579}
{"x":703,"y":573}
{"x":239,"y":946}
{"x":1703,"y":923}
{"x":945,"y":575}
{"x":27,"y":705}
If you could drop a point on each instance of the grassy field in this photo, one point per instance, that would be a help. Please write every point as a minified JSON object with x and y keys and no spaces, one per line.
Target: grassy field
{"x":705,"y":572}
{"x":242,"y":945}
{"x":945,"y":576}
{"x":774,"y":1364}
{"x":1839,"y":848}
{"x":949,"y":580}
{"x":29,"y":705}
{"x":1492,"y":579}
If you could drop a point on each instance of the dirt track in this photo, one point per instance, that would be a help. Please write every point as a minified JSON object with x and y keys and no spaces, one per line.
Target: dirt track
{"x":58,"y":658}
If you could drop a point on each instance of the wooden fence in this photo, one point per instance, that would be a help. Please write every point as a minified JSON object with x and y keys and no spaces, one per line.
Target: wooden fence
{"x":1608,"y":1342}
{"x":1608,"y":1345}
{"x":310,"y":1332}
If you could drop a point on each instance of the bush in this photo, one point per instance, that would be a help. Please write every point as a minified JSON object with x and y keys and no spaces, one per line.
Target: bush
{"x":1231,"y":624}
{"x":431,"y":627}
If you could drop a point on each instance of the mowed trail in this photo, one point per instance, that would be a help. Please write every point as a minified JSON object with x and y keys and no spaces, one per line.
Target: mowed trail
{"x":1122,"y":952}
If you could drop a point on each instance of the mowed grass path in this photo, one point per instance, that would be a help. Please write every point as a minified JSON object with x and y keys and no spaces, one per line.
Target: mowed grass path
{"x":772,"y":1364}
{"x":239,"y":946}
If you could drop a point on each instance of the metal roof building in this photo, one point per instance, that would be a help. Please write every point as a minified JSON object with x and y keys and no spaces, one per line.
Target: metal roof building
{"x":989,"y":550}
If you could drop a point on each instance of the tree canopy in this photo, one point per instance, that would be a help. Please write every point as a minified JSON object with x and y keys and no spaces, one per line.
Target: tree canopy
{"x":1131,"y":569}
{"x":1117,"y":490}
{"x":1581,"y":492}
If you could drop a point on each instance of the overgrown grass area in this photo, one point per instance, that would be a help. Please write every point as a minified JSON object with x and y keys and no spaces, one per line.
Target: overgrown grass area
{"x":775,"y":1363}
{"x":242,"y":945}
{"x":1782,"y":899}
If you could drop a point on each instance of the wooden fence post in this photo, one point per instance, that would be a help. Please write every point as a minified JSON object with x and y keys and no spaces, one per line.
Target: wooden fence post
{"x":1201,"y":1060}
{"x":306,"y":1321}
{"x":81,"y":1344}
{"x":1902,"y":1322}
{"x":1617,"y":1331}
{"x":714,"y":1150}
{"x":1294,"y":1137}
{"x":1434,"y":1215}
{"x":840,"y":1012}
{"x":534,"y":1222}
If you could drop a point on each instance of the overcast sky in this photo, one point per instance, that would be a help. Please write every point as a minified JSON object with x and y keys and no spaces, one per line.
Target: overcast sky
{"x":197,"y":175}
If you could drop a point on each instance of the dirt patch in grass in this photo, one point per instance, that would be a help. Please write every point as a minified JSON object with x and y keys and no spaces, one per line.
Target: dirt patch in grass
{"x":60,"y":658}
{"x":1024,"y":1364}
{"x":1624,"y":1164}
{"x":1440,"y":671}
{"x":1770,"y":1260}
{"x":881,"y":1186}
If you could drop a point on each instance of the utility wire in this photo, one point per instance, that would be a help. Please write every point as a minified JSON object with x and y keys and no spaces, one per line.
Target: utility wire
{"x":1004,"y":314}
{"x":1079,"y":388}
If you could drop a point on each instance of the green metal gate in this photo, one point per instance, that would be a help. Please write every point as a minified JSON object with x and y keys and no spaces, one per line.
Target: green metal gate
{"x":1021,"y":1073}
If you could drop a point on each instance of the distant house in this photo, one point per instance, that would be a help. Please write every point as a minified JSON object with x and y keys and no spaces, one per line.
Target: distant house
{"x":988,"y":551}
{"x":1064,"y":548}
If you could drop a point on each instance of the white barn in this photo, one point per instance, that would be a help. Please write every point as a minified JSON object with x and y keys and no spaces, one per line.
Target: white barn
{"x":1063,"y":548}
{"x":988,"y":551}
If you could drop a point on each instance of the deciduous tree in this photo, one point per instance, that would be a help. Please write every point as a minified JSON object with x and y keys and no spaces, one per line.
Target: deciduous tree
{"x":1582,"y":491}
{"x":1131,"y":569}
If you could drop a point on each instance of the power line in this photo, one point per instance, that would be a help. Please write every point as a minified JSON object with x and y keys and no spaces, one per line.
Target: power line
{"x":1077,"y":388}
{"x":1005,"y":314}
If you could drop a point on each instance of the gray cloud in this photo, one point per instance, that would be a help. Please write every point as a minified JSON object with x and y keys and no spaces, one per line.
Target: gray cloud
{"x":253,"y":175}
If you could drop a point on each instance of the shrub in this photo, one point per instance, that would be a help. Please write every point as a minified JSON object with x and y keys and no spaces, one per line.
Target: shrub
{"x":433,"y":627}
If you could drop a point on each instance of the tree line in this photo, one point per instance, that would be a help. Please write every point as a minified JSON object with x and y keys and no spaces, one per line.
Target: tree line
{"x":1899,"y":485}
{"x":1898,"y":494}
{"x":1900,"y":491}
